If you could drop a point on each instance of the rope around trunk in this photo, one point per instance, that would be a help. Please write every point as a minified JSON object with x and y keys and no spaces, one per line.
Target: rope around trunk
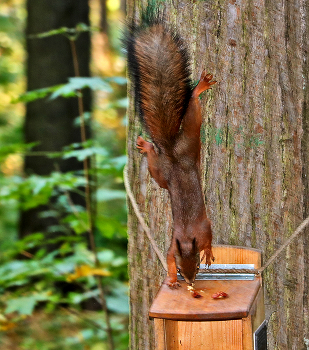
{"x":141,"y":219}
{"x":299,"y":229}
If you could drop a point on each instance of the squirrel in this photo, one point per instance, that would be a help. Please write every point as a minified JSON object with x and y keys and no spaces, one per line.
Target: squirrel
{"x":170,"y":110}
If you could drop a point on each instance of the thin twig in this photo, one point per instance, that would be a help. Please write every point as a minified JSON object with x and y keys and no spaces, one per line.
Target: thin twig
{"x":88,"y":202}
{"x":27,"y":254}
{"x":84,"y":139}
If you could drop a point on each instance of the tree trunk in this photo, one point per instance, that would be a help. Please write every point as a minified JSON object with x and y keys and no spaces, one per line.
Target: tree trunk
{"x":254,"y":154}
{"x":51,"y":123}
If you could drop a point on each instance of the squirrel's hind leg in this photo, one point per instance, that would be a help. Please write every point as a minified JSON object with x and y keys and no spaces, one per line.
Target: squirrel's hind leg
{"x":192,"y":120}
{"x":153,"y":163}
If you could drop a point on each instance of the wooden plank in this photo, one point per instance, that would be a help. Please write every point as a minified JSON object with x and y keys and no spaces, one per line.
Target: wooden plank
{"x":159,"y":333}
{"x":216,"y":335}
{"x":258,"y":310}
{"x":247,"y":335}
{"x":179,"y":304}
{"x":171,"y":335}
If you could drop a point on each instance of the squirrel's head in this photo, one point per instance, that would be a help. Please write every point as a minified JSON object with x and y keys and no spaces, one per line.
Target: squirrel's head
{"x":187,"y":258}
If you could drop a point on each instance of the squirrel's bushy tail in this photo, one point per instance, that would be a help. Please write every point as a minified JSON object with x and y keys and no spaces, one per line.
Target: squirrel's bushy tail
{"x":159,"y":68}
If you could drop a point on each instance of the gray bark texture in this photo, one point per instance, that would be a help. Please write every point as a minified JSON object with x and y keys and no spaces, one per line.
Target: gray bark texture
{"x":255,"y":154}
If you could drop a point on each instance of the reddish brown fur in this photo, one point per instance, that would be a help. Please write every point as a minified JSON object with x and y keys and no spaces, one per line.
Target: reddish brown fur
{"x":178,"y":171}
{"x":158,"y":64}
{"x":163,"y":84}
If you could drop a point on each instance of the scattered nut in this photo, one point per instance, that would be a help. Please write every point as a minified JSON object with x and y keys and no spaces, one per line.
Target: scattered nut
{"x":219,"y":295}
{"x":195,"y":294}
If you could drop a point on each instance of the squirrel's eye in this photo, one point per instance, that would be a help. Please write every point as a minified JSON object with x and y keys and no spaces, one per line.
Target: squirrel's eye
{"x":178,"y":269}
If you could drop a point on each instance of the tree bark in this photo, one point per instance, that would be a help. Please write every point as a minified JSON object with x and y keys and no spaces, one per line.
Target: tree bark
{"x":254,"y":154}
{"x":51,"y":123}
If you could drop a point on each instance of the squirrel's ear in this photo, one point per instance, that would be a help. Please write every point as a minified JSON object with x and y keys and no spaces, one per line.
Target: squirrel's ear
{"x":194,"y":245}
{"x":178,"y":247}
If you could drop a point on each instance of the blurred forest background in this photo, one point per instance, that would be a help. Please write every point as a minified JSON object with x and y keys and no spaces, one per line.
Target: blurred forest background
{"x":63,"y":261}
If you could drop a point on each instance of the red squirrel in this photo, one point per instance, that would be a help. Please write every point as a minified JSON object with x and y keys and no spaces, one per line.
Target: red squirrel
{"x":170,"y":110}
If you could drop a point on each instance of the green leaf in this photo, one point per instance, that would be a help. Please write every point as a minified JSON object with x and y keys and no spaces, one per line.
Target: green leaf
{"x":25,"y":305}
{"x":36,"y":94}
{"x":106,"y":256}
{"x":79,"y":223}
{"x":74,"y":86}
{"x":77,"y":298}
{"x":6,"y":23}
{"x":122,"y":103}
{"x":119,"y":162}
{"x":85,"y":153}
{"x":5,"y":150}
{"x":87,"y":333}
{"x":106,"y":194}
{"x":22,"y":305}
{"x":50,"y":258}
{"x":72,"y":32}
{"x":79,"y":83}
{"x":117,"y":80}
{"x":62,"y":30}
{"x":110,"y":227}
{"x":40,"y":183}
{"x":86,"y":118}
{"x":118,"y":302}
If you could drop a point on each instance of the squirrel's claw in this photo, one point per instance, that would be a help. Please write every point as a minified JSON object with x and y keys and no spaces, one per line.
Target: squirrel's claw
{"x":143,"y":145}
{"x":172,"y":283}
{"x":207,"y":77}
{"x":203,"y":75}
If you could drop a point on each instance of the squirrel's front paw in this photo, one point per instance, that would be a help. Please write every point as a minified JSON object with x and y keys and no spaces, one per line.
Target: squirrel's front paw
{"x":143,"y":145}
{"x":172,"y":283}
{"x":209,"y":256}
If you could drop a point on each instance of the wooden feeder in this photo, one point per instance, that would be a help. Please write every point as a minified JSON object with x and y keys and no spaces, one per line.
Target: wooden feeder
{"x":232,"y":323}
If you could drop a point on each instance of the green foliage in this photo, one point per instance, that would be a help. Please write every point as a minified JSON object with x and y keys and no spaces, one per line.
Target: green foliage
{"x":33,"y":309}
{"x":27,"y":284}
{"x":36,"y":94}
{"x":70,"y":33}
{"x":85,"y":152}
{"x":25,"y":305}
{"x":72,"y":88}
{"x":30,"y":283}
{"x":37,"y":190}
{"x":12,"y":148}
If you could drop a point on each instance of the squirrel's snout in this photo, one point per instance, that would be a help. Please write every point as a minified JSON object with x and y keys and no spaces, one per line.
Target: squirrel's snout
{"x":190,"y":281}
